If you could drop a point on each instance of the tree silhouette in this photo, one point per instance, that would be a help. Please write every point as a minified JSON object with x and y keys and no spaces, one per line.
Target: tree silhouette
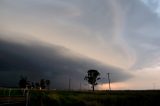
{"x":32,"y":85}
{"x":37,"y":85}
{"x":23,"y":82}
{"x":92,"y":77}
{"x":42,"y":84}
{"x":48,"y":83}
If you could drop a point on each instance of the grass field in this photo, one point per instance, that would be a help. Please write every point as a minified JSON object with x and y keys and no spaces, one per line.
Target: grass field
{"x":98,"y":98}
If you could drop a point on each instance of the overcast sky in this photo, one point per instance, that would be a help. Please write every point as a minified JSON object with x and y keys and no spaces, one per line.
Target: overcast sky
{"x":58,"y":39}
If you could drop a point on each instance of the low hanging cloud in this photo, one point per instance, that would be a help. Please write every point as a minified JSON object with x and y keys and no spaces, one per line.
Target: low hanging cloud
{"x":38,"y":60}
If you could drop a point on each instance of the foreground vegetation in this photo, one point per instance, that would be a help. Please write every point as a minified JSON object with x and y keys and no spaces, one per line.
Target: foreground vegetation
{"x":98,"y":98}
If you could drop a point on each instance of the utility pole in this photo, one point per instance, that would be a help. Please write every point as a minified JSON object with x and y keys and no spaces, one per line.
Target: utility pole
{"x":109,"y":81}
{"x":154,"y":86}
{"x":69,"y":84}
{"x":80,"y":86}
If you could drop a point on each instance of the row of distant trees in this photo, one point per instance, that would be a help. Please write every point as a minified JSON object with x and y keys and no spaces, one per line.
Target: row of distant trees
{"x":92,"y":77}
{"x":42,"y":84}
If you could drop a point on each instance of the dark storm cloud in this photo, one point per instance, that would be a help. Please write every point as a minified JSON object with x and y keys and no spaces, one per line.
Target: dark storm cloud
{"x":38,"y":60}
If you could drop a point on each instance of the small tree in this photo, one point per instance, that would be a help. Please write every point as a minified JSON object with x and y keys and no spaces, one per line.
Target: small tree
{"x":48,"y":83}
{"x":32,"y":85}
{"x":92,"y":77}
{"x":23,"y":82}
{"x":37,"y":85}
{"x":42,"y":84}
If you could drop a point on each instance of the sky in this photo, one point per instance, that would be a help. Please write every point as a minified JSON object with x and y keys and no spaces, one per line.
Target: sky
{"x":62,"y":39}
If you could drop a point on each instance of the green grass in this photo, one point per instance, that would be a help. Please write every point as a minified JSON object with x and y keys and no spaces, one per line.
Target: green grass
{"x":98,"y":98}
{"x":114,"y":98}
{"x":11,"y":92}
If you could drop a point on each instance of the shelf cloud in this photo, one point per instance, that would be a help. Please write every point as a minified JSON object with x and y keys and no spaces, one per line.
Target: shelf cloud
{"x":57,"y":39}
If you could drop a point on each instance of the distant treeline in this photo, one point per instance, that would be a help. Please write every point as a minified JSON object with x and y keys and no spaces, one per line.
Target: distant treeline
{"x":91,"y":77}
{"x":42,"y":84}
